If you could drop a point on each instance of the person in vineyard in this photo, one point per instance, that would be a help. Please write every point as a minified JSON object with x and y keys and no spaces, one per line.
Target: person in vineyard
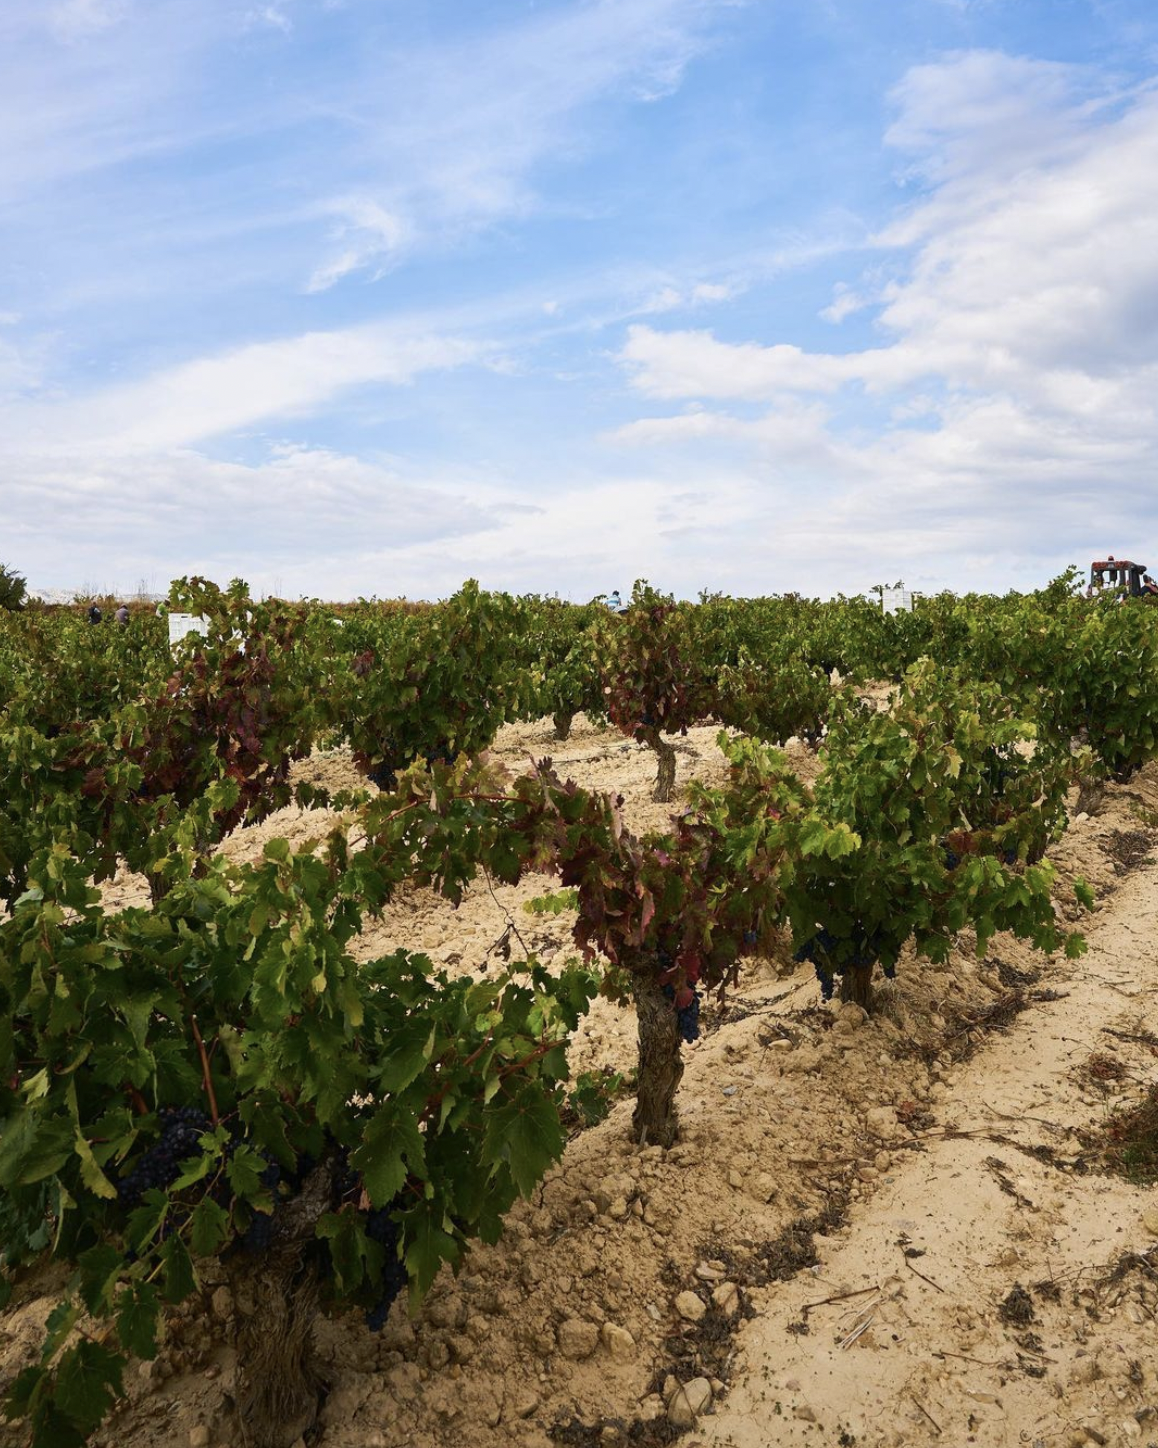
{"x":122,"y":615}
{"x":94,"y":613}
{"x":613,"y":601}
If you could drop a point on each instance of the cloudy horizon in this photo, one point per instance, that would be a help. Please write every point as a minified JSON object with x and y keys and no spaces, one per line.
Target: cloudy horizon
{"x":351,"y":299}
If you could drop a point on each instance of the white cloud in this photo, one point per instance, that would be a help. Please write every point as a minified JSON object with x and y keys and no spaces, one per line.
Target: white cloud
{"x":273,"y":16}
{"x":370,"y":235}
{"x":704,"y":292}
{"x":221,"y":394}
{"x":1018,"y":368}
{"x":165,"y":514}
{"x":453,"y":134}
{"x":844,"y":303}
{"x":669,"y":298}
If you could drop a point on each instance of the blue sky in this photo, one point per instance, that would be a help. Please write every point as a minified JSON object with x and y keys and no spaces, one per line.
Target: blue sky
{"x":358,"y":297}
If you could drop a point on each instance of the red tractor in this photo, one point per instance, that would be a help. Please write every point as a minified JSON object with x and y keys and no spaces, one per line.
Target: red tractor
{"x":1120,"y":576}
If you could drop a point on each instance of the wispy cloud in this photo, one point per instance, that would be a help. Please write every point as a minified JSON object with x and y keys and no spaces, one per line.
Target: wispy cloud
{"x":74,"y":20}
{"x":220,"y":394}
{"x":1021,"y":323}
{"x":589,"y":286}
{"x":122,"y":510}
{"x":452,"y":135}
{"x":368,"y":235}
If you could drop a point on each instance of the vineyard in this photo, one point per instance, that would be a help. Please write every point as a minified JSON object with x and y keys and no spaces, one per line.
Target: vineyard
{"x":507,"y":1021}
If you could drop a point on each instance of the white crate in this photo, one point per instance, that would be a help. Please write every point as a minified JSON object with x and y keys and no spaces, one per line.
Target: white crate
{"x":181,"y":625}
{"x":896,"y":600}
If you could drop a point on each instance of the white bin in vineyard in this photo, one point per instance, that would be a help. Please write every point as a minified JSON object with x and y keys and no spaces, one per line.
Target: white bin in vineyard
{"x":181,"y":625}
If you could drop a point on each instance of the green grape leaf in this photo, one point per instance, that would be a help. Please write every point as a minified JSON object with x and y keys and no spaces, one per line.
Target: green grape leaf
{"x":526,"y":1135}
{"x":137,"y":1311}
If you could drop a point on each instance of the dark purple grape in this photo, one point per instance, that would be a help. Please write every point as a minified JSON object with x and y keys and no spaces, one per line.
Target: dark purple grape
{"x":160,"y":1165}
{"x":689,"y":1019}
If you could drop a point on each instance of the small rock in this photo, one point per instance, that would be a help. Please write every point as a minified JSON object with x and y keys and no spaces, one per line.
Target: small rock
{"x":525,"y":1403}
{"x":199,"y":1436}
{"x":882,"y":1121}
{"x":727,"y":1298}
{"x":690,"y":1306}
{"x":578,"y":1339}
{"x":805,"y":1412}
{"x":688,"y":1402}
{"x":221,"y":1303}
{"x":735,"y":1179}
{"x":1150,"y":1220}
{"x":618,"y":1341}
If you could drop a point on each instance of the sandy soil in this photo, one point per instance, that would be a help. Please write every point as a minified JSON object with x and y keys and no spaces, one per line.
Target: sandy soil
{"x":873,"y":1232}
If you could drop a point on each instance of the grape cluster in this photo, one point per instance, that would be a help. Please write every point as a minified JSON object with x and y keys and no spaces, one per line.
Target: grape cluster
{"x":688,"y":1017}
{"x":382,"y":1229}
{"x":952,"y":859}
{"x":161,"y":1164}
{"x":823,"y":940}
{"x":442,"y":755}
{"x":382,"y":776}
{"x":821,"y":949}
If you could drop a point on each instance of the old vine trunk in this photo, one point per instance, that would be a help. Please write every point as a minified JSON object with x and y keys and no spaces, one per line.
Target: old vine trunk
{"x":280,"y":1384}
{"x":656,"y":1122}
{"x":665,"y":774}
{"x":856,"y":985}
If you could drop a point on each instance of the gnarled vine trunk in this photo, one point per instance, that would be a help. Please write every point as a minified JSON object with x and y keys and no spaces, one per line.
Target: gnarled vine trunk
{"x":665,"y":774}
{"x":856,"y":985}
{"x":280,"y":1382}
{"x":656,"y":1121}
{"x":562,"y":723}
